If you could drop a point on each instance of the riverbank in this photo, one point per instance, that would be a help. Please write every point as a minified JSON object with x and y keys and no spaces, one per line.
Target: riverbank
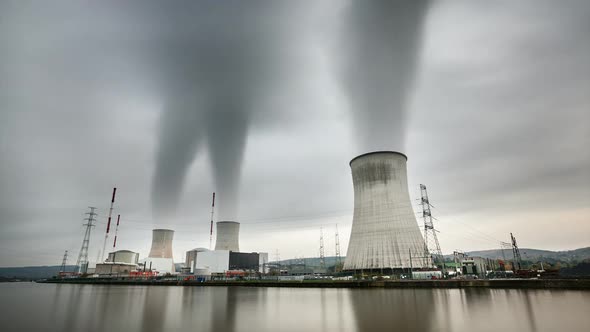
{"x":574,"y":284}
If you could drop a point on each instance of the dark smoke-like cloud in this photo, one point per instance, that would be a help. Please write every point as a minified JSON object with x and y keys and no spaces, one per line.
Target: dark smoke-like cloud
{"x":380,"y":46}
{"x":218,"y":75}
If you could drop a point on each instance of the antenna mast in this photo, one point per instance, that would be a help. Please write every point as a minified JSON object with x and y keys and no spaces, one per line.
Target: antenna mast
{"x":106,"y":234}
{"x":429,"y":231}
{"x":211,"y":230}
{"x":82,"y":262}
{"x":116,"y":231}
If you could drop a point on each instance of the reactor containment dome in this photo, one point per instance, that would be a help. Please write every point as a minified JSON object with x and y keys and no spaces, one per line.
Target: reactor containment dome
{"x":385,"y":233}
{"x":228,"y":236}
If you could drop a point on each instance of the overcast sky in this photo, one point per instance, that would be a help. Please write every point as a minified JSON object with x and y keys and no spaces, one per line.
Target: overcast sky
{"x":498,"y":125}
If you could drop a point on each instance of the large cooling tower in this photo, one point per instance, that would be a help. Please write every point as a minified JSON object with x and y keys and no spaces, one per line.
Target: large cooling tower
{"x":228,"y":236}
{"x":161,"y":243}
{"x":385,"y":232}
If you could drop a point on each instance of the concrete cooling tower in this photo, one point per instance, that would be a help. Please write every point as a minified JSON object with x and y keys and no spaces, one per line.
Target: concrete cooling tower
{"x":385,"y":232}
{"x":228,"y":236}
{"x":160,"y":256}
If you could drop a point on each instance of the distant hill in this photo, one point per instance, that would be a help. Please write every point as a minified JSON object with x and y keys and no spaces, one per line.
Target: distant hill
{"x":535,"y":254}
{"x":32,"y":272}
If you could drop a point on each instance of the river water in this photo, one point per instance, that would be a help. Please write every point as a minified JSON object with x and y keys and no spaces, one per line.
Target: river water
{"x":51,"y":307}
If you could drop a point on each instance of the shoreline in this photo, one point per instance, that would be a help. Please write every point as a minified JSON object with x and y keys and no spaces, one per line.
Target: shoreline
{"x":566,"y":284}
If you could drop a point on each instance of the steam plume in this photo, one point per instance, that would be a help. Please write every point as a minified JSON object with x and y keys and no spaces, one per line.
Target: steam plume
{"x":217,"y":74}
{"x":381,"y":41}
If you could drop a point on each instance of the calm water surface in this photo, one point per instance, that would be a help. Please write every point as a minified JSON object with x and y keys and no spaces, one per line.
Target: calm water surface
{"x":49,"y":307}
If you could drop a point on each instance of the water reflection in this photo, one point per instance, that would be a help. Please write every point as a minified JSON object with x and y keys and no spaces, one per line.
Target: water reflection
{"x":34,"y":307}
{"x":155,"y":303}
{"x":530,"y":314}
{"x":73,"y":305}
{"x":223,"y":315}
{"x":396,"y":310}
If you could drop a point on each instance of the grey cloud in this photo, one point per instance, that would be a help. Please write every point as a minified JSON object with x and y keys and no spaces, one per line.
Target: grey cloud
{"x":497,"y":127}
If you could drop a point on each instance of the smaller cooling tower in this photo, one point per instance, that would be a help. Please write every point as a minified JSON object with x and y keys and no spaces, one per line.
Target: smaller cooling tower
{"x":161,"y":243}
{"x":228,"y":236}
{"x":160,"y":257}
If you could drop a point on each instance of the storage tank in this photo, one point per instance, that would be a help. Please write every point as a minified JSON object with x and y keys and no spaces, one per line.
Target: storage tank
{"x":228,"y":236}
{"x":385,"y":233}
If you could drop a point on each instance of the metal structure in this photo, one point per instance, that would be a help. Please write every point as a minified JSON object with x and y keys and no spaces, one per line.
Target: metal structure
{"x":228,"y":236}
{"x":64,"y":261}
{"x":82,"y":262}
{"x":432,"y":251}
{"x":322,"y":257}
{"x":106,"y":234}
{"x":338,"y":257}
{"x":385,"y":232}
{"x":116,"y":231}
{"x":211,"y":230}
{"x":516,"y":254}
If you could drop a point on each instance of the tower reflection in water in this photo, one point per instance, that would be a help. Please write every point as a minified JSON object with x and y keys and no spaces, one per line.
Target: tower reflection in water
{"x":392,"y":309}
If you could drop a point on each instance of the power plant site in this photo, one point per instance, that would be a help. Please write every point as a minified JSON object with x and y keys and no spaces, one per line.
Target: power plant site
{"x":388,"y":242}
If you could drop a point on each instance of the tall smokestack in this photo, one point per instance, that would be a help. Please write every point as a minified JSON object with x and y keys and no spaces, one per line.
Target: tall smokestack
{"x":228,"y":236}
{"x":385,"y":233}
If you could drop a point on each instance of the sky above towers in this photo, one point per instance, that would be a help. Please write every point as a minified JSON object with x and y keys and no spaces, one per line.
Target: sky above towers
{"x":497,"y":125}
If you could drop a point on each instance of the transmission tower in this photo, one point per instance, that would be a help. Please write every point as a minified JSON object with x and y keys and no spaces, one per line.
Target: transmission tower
{"x":64,"y":262}
{"x":338,"y":258}
{"x":516,"y":253}
{"x":430,"y":251}
{"x":82,"y":263}
{"x":322,"y":258}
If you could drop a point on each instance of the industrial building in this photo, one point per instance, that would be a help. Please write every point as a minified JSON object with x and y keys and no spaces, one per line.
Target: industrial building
{"x":385,"y":233}
{"x":476,"y":267}
{"x":228,"y":236}
{"x":160,"y":257}
{"x":222,"y":261}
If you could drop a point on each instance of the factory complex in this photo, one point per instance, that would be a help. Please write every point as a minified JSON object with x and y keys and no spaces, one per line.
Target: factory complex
{"x":385,"y":241}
